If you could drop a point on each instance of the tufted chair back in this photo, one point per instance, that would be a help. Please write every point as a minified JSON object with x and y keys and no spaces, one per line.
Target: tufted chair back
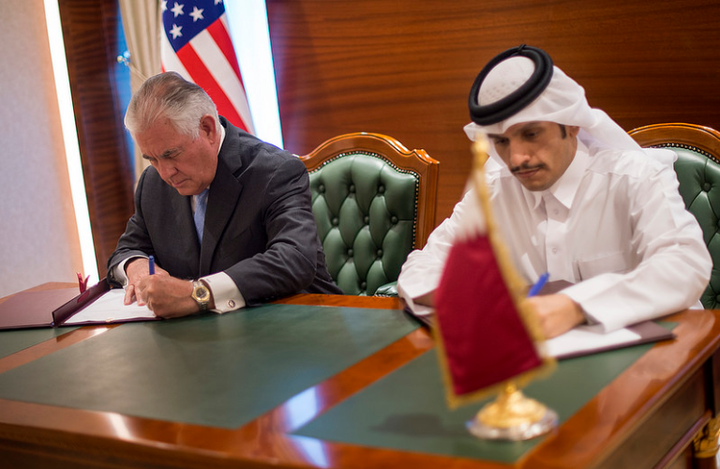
{"x":374,"y":201}
{"x":698,"y":171}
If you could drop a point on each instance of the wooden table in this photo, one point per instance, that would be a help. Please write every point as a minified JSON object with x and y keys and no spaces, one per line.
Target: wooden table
{"x":655,"y":407}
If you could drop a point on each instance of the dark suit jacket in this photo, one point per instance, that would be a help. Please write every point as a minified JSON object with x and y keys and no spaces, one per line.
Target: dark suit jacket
{"x":259,"y":225}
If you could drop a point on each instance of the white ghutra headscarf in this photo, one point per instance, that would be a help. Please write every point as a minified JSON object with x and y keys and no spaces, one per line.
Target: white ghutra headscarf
{"x":563,"y":101}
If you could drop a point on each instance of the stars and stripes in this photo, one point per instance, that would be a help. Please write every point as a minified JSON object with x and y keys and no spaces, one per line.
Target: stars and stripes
{"x":196,"y":43}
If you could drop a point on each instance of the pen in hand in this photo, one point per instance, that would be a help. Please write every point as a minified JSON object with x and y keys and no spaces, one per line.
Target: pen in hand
{"x":151,"y":265}
{"x":535,"y":289}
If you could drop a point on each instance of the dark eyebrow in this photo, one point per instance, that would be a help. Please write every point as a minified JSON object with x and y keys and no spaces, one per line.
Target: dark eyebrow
{"x":532,"y":126}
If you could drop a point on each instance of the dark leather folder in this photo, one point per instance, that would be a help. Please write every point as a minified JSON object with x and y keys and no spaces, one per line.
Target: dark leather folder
{"x":47,"y":308}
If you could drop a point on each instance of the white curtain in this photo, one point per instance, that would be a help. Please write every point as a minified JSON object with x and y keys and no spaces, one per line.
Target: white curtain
{"x":142,"y":22}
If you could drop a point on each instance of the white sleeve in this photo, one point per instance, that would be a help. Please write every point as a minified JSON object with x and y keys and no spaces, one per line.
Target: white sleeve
{"x":423,"y":268}
{"x":674,"y":264}
{"x":118,"y":272}
{"x":225,"y":293}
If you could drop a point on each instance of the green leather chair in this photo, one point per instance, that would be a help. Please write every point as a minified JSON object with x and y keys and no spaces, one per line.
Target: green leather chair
{"x":374,"y":201}
{"x":698,"y":170}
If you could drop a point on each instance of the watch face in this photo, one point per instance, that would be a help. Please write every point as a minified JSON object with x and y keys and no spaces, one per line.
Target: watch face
{"x":201,"y":293}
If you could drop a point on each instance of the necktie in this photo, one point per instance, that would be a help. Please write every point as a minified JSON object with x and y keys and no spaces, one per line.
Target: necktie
{"x":200,"y":207}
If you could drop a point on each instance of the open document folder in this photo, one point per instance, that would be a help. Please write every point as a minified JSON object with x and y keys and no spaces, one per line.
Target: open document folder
{"x":584,"y":340}
{"x":65,"y":307}
{"x":109,"y":308}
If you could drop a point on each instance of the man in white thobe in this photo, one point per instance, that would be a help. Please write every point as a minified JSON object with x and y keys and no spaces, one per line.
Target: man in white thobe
{"x":576,"y":197}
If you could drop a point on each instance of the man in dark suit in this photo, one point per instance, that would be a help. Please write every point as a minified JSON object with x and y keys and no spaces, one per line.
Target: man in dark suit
{"x":258,"y":240}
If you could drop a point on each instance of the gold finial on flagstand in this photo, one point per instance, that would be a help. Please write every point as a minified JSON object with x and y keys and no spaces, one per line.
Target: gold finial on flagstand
{"x":512,"y":416}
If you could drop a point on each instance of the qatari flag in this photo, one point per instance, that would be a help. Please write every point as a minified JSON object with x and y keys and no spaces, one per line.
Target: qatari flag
{"x":487,"y":338}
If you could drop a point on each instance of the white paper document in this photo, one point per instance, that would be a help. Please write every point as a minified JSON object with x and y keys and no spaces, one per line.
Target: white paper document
{"x":582,"y":340}
{"x":110,"y":308}
{"x":590,"y":339}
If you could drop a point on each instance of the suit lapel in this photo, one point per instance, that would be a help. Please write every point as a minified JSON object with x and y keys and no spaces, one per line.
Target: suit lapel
{"x":222,"y":201}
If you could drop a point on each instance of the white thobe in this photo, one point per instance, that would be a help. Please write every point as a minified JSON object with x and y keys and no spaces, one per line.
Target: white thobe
{"x":614,"y":227}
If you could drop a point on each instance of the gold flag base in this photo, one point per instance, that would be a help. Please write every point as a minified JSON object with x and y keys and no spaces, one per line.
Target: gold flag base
{"x":512,"y":416}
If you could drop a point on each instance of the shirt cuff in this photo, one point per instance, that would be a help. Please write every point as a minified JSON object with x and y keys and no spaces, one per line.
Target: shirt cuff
{"x":416,"y":308}
{"x":574,"y":292}
{"x":118,"y":272}
{"x":225,"y":293}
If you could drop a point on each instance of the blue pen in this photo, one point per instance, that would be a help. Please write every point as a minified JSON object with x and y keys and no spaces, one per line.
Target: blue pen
{"x":151,"y":265}
{"x":535,"y":289}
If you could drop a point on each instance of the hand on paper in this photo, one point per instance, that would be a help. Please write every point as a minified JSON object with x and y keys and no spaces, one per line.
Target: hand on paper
{"x":166,"y":296}
{"x":557,"y":314}
{"x":135,"y":270}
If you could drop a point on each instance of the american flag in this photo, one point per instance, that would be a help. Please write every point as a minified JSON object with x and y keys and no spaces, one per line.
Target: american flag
{"x":196,"y":43}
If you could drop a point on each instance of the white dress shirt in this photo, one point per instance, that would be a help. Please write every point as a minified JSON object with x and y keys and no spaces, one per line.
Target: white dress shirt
{"x":613,"y":227}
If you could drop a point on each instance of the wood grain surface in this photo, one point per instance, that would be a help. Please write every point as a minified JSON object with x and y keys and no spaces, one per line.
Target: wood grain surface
{"x":404,"y":68}
{"x":655,"y":405}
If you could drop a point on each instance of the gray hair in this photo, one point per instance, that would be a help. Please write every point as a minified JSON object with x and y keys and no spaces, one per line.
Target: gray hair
{"x":169,"y":95}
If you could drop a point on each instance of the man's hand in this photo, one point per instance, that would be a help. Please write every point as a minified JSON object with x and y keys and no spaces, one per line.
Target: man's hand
{"x":427,"y":299}
{"x":557,"y":314}
{"x":135,"y":270}
{"x":166,"y":296}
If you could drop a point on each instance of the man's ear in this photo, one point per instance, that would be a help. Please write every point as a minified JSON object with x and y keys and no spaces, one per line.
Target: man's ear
{"x":572,"y":130}
{"x":208,"y":127}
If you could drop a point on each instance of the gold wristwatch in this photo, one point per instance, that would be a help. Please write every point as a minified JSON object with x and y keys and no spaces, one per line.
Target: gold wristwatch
{"x":201,"y":295}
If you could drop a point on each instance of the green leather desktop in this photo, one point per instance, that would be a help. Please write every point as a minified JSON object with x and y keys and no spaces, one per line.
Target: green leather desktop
{"x":406,"y":410}
{"x":330,"y":381}
{"x":22,"y":339}
{"x":216,"y":370}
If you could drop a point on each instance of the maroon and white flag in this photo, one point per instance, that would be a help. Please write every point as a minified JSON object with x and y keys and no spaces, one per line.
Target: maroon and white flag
{"x":487,"y":338}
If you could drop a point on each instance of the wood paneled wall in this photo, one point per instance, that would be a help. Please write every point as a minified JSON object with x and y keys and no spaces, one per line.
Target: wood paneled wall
{"x":405,"y":67}
{"x":90,"y":30}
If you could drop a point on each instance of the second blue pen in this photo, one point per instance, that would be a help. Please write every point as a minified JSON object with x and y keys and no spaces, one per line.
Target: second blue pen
{"x":535,"y":289}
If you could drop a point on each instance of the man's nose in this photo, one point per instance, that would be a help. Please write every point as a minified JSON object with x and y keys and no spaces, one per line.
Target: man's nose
{"x":519,"y":154}
{"x":166,"y":169}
